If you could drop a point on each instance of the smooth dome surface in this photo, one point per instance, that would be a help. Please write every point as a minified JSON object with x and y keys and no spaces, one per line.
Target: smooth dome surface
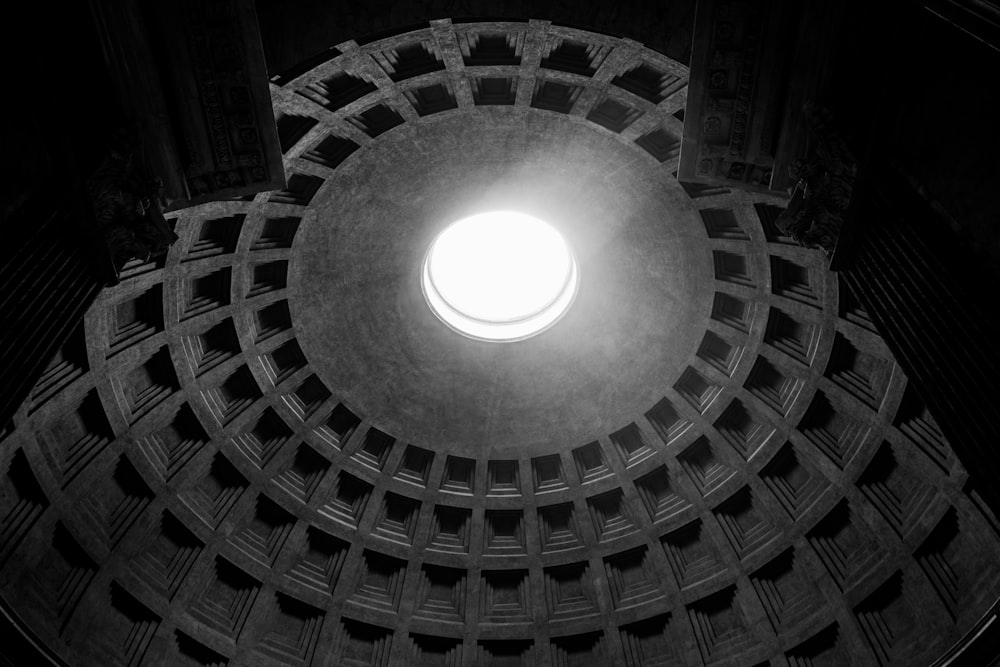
{"x":362,"y":320}
{"x":500,"y":276}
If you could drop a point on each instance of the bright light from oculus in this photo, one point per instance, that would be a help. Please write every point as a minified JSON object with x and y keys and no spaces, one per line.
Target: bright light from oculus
{"x":499,"y":276}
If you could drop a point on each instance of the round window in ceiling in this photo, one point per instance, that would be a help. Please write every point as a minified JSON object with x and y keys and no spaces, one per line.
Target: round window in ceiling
{"x":500,"y":276}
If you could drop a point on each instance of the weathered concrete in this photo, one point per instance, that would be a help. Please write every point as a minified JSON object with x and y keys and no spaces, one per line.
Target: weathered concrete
{"x":644,"y":298}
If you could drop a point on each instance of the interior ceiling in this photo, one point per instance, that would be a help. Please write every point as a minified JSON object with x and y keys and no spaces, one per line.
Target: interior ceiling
{"x":295,"y":31}
{"x":265,"y":449}
{"x":355,"y":296}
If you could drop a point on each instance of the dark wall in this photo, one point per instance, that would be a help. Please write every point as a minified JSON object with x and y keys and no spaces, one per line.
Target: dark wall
{"x":944,"y":135}
{"x":294,"y":30}
{"x":920,"y":101}
{"x":56,"y":125}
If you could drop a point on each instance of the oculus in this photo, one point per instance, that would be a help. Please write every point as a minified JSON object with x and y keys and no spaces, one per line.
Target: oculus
{"x":500,"y":276}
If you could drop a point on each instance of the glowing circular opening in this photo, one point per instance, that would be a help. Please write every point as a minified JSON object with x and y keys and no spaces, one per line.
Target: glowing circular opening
{"x":499,"y":276}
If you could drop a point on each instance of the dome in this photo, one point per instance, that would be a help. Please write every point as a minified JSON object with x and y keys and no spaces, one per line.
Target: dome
{"x":268,"y":449}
